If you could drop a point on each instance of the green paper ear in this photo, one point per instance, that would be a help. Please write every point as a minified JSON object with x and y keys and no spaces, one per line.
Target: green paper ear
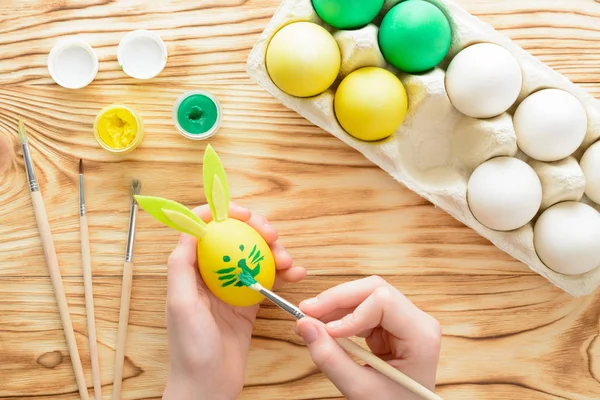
{"x":216,"y":188}
{"x":185,"y":223}
{"x":155,"y":206}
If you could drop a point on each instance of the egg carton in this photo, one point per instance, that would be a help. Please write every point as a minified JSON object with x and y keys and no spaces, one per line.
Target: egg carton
{"x":435,"y":150}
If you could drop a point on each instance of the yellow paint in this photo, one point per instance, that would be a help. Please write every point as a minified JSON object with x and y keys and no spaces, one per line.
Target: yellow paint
{"x":118,"y":128}
{"x":225,"y":245}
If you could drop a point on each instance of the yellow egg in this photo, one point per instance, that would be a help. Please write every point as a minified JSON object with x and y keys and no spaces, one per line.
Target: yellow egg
{"x":228,"y":248}
{"x":303,"y":59}
{"x":371,"y":103}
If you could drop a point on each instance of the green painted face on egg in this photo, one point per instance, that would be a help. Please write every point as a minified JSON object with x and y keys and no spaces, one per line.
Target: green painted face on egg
{"x":347,"y":14}
{"x":414,"y":36}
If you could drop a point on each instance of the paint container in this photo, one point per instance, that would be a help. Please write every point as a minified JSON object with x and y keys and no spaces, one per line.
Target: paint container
{"x":142,"y":54}
{"x":197,"y":114}
{"x":73,"y":63}
{"x":118,"y":128}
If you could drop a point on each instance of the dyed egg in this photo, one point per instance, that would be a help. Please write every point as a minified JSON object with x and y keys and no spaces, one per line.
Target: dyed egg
{"x":504,"y":193}
{"x":550,"y":124}
{"x":303,"y":59}
{"x":370,"y":103}
{"x":227,"y":247}
{"x":567,"y":238}
{"x":344,"y":14}
{"x":414,"y":36}
{"x":483,"y":80}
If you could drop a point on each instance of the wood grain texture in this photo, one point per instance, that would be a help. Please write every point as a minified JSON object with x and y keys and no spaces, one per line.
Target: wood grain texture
{"x":508,"y":333}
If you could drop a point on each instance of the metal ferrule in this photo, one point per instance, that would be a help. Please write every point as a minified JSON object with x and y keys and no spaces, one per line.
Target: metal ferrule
{"x":283,"y":303}
{"x":81,"y":196}
{"x":131,"y":236}
{"x":33,"y":183}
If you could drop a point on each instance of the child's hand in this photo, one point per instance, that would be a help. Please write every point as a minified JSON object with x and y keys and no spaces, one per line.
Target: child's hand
{"x":209,"y":339}
{"x":394,"y":328}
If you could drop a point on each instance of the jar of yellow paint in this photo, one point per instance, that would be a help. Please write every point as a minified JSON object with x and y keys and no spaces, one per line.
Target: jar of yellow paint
{"x":118,"y":128}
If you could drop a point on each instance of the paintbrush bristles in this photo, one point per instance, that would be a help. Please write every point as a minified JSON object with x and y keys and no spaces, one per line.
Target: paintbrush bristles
{"x":80,"y":166}
{"x":136,"y":188}
{"x":22,"y":131}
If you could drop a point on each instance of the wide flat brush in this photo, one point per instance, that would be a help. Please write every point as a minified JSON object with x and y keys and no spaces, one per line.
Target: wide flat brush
{"x":41,"y":218}
{"x":125,"y":294}
{"x":347,"y":344}
{"x":86,"y":261}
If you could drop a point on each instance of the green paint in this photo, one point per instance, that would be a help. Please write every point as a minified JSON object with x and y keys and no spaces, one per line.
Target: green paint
{"x":347,"y":14}
{"x":197,"y":114}
{"x":246,"y":279}
{"x":229,"y":282}
{"x":230,"y":277}
{"x":415,"y":36}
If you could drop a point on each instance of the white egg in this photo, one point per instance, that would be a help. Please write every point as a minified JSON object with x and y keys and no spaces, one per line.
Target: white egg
{"x":567,"y":238}
{"x":550,"y":125}
{"x":504,"y":193}
{"x":483,"y":80}
{"x":590,"y":165}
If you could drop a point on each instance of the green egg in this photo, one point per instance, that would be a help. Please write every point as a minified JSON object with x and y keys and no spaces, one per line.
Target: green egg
{"x":415,"y":36}
{"x":347,"y":14}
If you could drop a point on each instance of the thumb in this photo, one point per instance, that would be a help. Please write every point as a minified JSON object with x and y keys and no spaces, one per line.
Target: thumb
{"x":181,"y":271}
{"x":331,"y":359}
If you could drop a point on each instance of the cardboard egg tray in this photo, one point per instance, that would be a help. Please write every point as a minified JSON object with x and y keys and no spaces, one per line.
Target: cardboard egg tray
{"x":436,"y":148}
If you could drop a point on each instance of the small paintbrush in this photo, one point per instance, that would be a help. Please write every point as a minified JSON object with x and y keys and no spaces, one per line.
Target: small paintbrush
{"x":86,"y":261}
{"x":347,"y":344}
{"x":136,"y":187}
{"x":43,"y":224}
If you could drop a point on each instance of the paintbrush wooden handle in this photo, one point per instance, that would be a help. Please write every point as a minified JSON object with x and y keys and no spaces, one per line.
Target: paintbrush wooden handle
{"x":386,"y":369}
{"x":41,"y":218}
{"x":122,"y":333}
{"x":86,"y":260}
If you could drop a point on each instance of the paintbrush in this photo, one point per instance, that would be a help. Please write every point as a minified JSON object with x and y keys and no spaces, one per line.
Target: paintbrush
{"x":136,"y":187}
{"x":347,"y":344}
{"x":41,"y":218}
{"x":86,"y":261}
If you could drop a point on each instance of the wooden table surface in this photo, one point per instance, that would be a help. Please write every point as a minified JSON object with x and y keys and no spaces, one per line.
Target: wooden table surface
{"x":508,"y":333}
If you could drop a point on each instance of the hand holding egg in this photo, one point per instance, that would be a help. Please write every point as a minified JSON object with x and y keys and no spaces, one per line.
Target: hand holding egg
{"x":226,"y":246}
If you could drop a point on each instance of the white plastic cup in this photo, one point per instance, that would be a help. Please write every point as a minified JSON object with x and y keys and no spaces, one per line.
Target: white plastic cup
{"x":142,"y":54}
{"x":73,"y":63}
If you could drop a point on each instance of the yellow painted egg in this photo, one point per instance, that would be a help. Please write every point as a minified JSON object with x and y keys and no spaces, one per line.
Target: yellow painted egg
{"x":303,"y":59}
{"x":229,"y":248}
{"x":371,"y":103}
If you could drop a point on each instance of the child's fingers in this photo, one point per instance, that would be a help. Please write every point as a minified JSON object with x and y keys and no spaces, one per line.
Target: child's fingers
{"x":235,"y":211}
{"x":336,"y":314}
{"x":291,"y":275}
{"x":283,"y":260}
{"x":351,"y":379}
{"x":346,"y":295}
{"x":263,"y":227}
{"x":390,"y":309}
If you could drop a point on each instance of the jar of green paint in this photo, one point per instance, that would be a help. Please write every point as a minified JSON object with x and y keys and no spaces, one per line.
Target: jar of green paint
{"x":197,"y":114}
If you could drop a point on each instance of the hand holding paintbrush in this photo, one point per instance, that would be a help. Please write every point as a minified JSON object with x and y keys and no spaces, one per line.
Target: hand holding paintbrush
{"x":348,"y":345}
{"x":41,"y":218}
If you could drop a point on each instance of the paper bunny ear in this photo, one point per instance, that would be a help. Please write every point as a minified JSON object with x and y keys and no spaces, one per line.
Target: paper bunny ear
{"x":172,"y":214}
{"x":216,"y":188}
